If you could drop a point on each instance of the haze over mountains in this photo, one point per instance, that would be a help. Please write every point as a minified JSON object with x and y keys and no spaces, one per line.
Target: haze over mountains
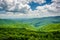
{"x":33,"y":21}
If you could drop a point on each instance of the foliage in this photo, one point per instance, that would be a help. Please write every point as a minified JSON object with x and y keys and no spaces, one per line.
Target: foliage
{"x":50,"y":27}
{"x":13,"y":30}
{"x":23,"y":34}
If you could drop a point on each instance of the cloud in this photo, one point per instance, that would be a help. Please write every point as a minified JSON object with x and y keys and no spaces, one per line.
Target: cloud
{"x":21,"y":9}
{"x":52,"y":9}
{"x":12,"y":5}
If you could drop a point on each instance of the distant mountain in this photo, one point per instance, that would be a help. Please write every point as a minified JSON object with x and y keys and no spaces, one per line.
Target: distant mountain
{"x":33,"y":21}
{"x":41,"y":21}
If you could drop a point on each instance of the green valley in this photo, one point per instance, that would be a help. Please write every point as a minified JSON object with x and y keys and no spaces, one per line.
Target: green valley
{"x":30,"y":29}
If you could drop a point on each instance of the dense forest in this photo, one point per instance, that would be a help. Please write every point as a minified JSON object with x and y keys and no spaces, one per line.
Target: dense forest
{"x":13,"y":30}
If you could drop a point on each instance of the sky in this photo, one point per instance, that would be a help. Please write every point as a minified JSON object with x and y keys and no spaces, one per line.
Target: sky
{"x":29,"y":8}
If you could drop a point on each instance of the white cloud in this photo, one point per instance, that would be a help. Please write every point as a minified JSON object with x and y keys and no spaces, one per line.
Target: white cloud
{"x":53,"y":9}
{"x":39,"y":1}
{"x":24,"y":10}
{"x":19,"y":4}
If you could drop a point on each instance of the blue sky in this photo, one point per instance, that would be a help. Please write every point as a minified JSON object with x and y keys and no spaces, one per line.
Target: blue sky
{"x":33,"y":5}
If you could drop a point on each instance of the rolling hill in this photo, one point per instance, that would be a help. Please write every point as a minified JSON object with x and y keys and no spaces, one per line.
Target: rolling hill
{"x":50,"y":27}
{"x":33,"y":21}
{"x":32,"y":24}
{"x":47,"y":28}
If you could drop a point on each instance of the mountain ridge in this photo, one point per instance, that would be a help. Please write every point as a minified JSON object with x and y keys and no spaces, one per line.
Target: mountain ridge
{"x":35,"y":21}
